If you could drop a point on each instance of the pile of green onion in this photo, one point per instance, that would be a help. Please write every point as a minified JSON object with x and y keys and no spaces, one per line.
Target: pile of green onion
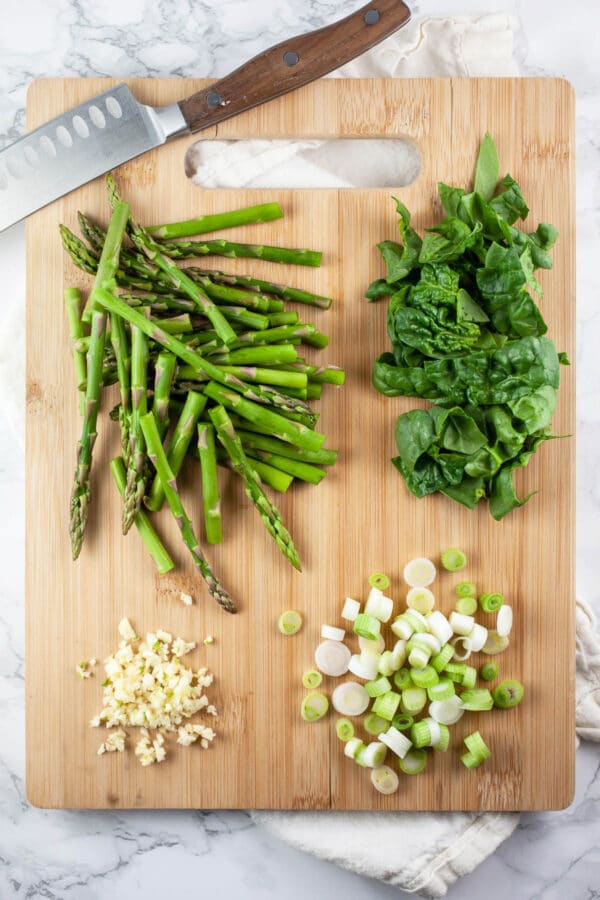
{"x":407,"y":697}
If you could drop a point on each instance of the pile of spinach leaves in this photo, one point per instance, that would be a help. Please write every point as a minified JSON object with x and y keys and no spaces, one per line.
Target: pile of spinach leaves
{"x":468,"y":335}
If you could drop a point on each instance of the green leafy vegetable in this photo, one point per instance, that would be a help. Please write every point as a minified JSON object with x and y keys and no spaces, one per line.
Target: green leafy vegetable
{"x":467,"y":334}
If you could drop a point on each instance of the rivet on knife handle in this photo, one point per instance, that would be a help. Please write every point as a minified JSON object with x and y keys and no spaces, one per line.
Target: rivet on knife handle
{"x":294,"y":62}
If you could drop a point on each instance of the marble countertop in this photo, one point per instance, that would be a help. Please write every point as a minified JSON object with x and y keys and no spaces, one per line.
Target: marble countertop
{"x":93,"y":856}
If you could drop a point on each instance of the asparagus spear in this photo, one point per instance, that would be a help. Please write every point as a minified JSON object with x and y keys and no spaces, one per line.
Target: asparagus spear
{"x":265,"y":212}
{"x":210,"y":485}
{"x":163,"y":470}
{"x":256,"y":393}
{"x":137,"y":470}
{"x":73,"y":303}
{"x":255,"y":441}
{"x":120,"y":344}
{"x":250,"y":373}
{"x":80,"y":495}
{"x":295,"y":295}
{"x":268,"y":511}
{"x":163,"y":561}
{"x":269,"y":475}
{"x":285,"y":429}
{"x":297,"y":469}
{"x":147,"y":245}
{"x":235,"y":250}
{"x":269,"y":355}
{"x":178,"y":445}
{"x":164,"y":375}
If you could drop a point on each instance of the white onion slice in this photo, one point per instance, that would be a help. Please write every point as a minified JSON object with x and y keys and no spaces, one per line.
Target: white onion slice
{"x":384,"y":780}
{"x":426,"y":640}
{"x":504,"y":620}
{"x":446,"y":712}
{"x":460,"y":623}
{"x":421,"y":599}
{"x":330,"y":633}
{"x":364,"y":665}
{"x":377,"y":646}
{"x":396,"y":741}
{"x":350,"y":609}
{"x":350,"y":699}
{"x":434,"y":731}
{"x":439,"y":626}
{"x":374,"y":754}
{"x":495,"y":643}
{"x":379,"y":605}
{"x":419,"y":572}
{"x":352,"y":747}
{"x":477,"y":637}
{"x":332,"y":658}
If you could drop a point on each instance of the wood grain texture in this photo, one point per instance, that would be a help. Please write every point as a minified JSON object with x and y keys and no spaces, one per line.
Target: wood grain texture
{"x":360,"y":519}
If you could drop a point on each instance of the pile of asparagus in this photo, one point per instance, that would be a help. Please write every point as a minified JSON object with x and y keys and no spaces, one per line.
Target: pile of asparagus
{"x":207,"y":366}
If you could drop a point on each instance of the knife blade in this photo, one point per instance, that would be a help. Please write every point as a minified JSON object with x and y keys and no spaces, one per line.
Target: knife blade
{"x":113,"y":127}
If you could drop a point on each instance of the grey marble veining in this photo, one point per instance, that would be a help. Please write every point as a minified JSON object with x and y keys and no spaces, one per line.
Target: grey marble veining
{"x":93,"y":856}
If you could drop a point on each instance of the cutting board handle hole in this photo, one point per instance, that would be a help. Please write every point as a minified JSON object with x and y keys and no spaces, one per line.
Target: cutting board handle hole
{"x":306,"y":163}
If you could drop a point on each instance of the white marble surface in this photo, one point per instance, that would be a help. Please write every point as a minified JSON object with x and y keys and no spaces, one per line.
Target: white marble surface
{"x":92,"y":856}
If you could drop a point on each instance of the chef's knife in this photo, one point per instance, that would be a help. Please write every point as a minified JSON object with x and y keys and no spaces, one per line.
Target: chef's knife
{"x":113,"y":127}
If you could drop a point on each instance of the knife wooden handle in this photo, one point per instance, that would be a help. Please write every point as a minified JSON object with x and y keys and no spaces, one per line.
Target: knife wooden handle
{"x":294,"y":62}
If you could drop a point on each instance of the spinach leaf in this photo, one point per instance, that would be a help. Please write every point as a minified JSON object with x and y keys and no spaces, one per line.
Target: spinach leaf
{"x":487,"y":170}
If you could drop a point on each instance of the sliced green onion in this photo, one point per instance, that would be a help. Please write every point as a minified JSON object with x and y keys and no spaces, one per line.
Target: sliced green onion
{"x":374,"y":724}
{"x":489,"y":671}
{"x":470,"y":761}
{"x":332,"y":658}
{"x":425,"y":678}
{"x":508,"y":693}
{"x":386,"y":663}
{"x":441,"y":659}
{"x":397,"y":742}
{"x":495,"y":643}
{"x":379,"y":580}
{"x":314,"y":706}
{"x":418,"y":657}
{"x":365,"y":665}
{"x":384,"y":780}
{"x":414,"y":700}
{"x":443,"y":742}
{"x":331,"y":633}
{"x":469,"y":677}
{"x":378,"y":687}
{"x":312,"y":679}
{"x":403,"y":679}
{"x":453,"y":560}
{"x":478,"y":700}
{"x":421,"y":599}
{"x":477,"y":637}
{"x":504,"y":620}
{"x":476,"y":745}
{"x":350,"y":609}
{"x":378,"y":605}
{"x":439,"y":626}
{"x":443,"y":690}
{"x":398,"y":656}
{"x":462,"y":647}
{"x":387,"y":705}
{"x":350,"y":699}
{"x":455,"y":671}
{"x":414,"y":762}
{"x":460,"y":623}
{"x":491,"y":602}
{"x":344,"y":729}
{"x":419,"y":572}
{"x":289,"y":622}
{"x":466,"y":589}
{"x":466,"y":606}
{"x":367,"y":626}
{"x":420,"y":734}
{"x":402,"y":722}
{"x":377,"y":646}
{"x":446,"y":712}
{"x":408,"y":623}
{"x":372,"y":755}
{"x":353,"y":746}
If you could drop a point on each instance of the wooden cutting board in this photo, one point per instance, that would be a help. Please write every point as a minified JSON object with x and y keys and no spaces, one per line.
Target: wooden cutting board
{"x":359,"y":520}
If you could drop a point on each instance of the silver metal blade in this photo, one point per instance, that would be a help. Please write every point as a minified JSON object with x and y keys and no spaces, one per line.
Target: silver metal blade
{"x":78,"y":146}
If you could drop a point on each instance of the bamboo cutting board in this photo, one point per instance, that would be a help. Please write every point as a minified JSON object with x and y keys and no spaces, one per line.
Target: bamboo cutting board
{"x":359,"y":520}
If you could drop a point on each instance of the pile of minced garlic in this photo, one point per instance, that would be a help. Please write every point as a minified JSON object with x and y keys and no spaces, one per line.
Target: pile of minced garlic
{"x":147,"y":686}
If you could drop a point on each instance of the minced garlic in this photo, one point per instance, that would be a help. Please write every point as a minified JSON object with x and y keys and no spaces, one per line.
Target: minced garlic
{"x":148,"y":686}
